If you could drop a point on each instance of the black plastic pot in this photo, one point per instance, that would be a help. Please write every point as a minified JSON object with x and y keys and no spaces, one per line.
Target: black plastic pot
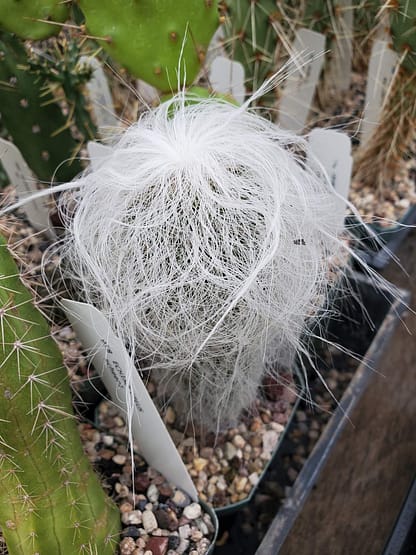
{"x":384,"y":309}
{"x":403,"y":538}
{"x":377,"y":251}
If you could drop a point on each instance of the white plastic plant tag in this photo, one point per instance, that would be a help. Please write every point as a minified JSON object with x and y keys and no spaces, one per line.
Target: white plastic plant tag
{"x":382,"y":66}
{"x":227,"y":77}
{"x":147,"y":93}
{"x":97,"y":153}
{"x":332,"y":150}
{"x":303,"y":76}
{"x":100,"y":96}
{"x":216,"y":46}
{"x":342,"y":59}
{"x":24,"y":182}
{"x":114,"y":364}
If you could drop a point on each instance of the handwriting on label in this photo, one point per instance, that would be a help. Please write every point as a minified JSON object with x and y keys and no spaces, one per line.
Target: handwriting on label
{"x":116,"y":368}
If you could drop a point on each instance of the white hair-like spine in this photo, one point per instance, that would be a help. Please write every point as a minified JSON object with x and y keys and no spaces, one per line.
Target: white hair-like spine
{"x":207,"y":243}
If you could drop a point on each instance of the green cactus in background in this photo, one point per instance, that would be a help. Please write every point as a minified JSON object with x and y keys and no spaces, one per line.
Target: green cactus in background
{"x":33,"y":118}
{"x":250,"y":37}
{"x":382,"y":158}
{"x":60,"y":68}
{"x":403,"y":31}
{"x":21,"y":17}
{"x":147,"y":37}
{"x":50,"y":499}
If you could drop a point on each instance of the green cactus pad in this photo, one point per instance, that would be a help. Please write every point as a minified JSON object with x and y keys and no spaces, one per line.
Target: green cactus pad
{"x":403,"y":31}
{"x":32,"y":117}
{"x":147,"y":36}
{"x":50,"y":499}
{"x":20,"y":17}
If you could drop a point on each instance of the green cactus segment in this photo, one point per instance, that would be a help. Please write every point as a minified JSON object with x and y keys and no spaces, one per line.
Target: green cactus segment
{"x":32,"y":117}
{"x":147,"y":37}
{"x":50,"y":499}
{"x":317,"y":17}
{"x":403,"y":31}
{"x":21,"y":17}
{"x":251,"y":38}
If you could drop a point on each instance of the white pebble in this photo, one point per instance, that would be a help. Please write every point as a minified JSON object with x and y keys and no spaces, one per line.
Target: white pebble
{"x":149,"y":521}
{"x":192,"y":511}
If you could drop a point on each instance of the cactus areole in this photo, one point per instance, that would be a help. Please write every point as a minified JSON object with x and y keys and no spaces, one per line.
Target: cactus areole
{"x":29,"y":18}
{"x":153,"y":38}
{"x":50,"y":499}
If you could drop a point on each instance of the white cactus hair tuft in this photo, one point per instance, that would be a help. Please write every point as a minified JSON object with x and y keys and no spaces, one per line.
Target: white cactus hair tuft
{"x":207,"y":242}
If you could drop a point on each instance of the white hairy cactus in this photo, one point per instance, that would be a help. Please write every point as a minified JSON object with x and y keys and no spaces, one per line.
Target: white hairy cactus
{"x":206,"y":241}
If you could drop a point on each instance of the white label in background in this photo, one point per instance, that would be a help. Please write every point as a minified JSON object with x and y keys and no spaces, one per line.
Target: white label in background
{"x":227,"y":77}
{"x":100,"y":95}
{"x":97,"y":153}
{"x":24,"y":182}
{"x":382,"y":66}
{"x":332,"y":150}
{"x":114,"y":364}
{"x":300,"y":85}
{"x":147,"y":93}
{"x":341,"y":62}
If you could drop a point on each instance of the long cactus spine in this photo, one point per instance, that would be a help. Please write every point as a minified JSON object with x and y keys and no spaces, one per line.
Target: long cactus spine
{"x":50,"y":499}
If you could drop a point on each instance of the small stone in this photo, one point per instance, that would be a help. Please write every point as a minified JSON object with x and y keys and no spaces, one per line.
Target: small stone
{"x":149,"y":521}
{"x":152,"y":493}
{"x":130,"y":532}
{"x":118,"y":421}
{"x":192,"y":511}
{"x":141,"y":482}
{"x":207,"y":452}
{"x":165,"y":490}
{"x":108,"y":440}
{"x":199,"y":464}
{"x":239,"y":441}
{"x":126,"y":507}
{"x":174,"y":542}
{"x":196,"y":535}
{"x":167,"y":519}
{"x":240,"y":484}
{"x":170,"y":416}
{"x":183,"y":546}
{"x":127,"y":546}
{"x":181,"y":499}
{"x":270,"y":439}
{"x":157,"y":545}
{"x":229,"y":451}
{"x":184,"y":531}
{"x":253,"y":478}
{"x":133,"y":517}
{"x":119,"y":459}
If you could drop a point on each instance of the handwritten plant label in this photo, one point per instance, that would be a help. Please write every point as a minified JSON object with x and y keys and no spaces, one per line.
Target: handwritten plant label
{"x":24,"y":182}
{"x":382,"y":67}
{"x":302,"y":80}
{"x":330,"y":155}
{"x":227,"y":77}
{"x":113,"y":363}
{"x":100,"y":95}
